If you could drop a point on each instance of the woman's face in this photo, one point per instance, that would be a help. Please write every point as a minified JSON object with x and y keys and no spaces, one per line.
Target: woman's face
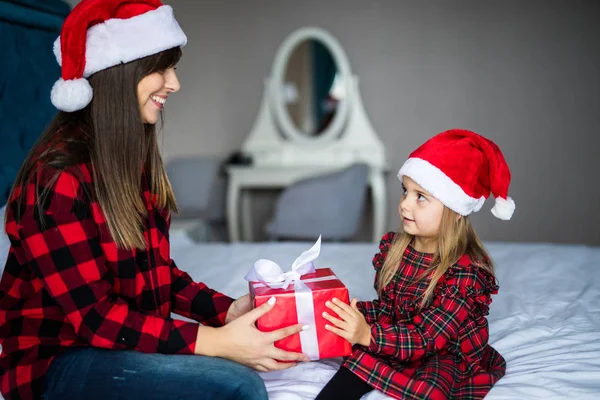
{"x":153,"y":91}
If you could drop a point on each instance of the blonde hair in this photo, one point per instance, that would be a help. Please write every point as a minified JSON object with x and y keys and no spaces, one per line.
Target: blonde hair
{"x":456,"y":238}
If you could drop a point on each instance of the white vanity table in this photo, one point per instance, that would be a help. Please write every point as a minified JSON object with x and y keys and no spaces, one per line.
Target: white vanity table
{"x":288,"y":142}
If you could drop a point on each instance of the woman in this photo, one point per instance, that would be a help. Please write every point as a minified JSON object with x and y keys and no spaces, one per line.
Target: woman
{"x":89,"y":269}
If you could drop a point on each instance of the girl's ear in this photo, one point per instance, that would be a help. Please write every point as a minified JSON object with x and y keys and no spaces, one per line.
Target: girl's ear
{"x":458,"y":217}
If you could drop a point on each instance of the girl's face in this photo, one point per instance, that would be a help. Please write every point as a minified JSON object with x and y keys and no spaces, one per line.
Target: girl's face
{"x":153,"y":91}
{"x":421,"y":215}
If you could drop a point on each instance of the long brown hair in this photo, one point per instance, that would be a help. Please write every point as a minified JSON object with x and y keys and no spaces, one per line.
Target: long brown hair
{"x":111,"y":135}
{"x":456,"y":237}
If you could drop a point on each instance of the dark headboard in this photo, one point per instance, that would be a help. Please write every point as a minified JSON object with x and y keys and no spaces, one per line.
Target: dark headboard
{"x":28,"y":70}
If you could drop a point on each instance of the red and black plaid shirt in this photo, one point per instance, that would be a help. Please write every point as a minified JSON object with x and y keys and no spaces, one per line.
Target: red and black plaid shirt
{"x":438,"y":352}
{"x":67,"y":284}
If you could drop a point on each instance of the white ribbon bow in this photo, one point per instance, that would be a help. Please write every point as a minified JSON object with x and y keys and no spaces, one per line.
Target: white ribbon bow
{"x":271,"y":274}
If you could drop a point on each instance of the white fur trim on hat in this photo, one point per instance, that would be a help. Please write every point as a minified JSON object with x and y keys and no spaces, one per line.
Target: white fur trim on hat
{"x":117,"y":41}
{"x":440,"y":186}
{"x":503,"y":208}
{"x":71,"y":95}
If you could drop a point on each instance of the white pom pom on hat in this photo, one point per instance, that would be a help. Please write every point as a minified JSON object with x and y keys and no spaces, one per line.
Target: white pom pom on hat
{"x":71,"y":95}
{"x":503,"y":208}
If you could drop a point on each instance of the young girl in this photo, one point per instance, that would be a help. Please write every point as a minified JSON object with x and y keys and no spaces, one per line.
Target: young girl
{"x":426,"y":336}
{"x":89,"y":285}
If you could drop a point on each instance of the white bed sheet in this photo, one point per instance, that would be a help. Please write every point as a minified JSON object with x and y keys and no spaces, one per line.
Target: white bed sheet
{"x":545,"y":321}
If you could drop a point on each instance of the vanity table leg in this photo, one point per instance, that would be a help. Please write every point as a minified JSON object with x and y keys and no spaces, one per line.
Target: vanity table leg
{"x":233,"y":193}
{"x":246,"y":216}
{"x":379,"y":200}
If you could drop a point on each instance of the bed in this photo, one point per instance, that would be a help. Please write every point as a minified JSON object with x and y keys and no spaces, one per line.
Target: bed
{"x":545,"y":321}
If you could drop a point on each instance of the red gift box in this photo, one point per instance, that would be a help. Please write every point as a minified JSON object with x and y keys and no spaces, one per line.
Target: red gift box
{"x":304,"y":303}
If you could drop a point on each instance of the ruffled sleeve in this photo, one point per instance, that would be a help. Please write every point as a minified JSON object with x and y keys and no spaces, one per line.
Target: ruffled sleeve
{"x":469,"y":280}
{"x":370,"y":309}
{"x":384,"y":246}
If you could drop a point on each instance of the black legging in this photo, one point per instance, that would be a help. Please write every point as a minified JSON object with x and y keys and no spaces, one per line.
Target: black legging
{"x":344,"y":385}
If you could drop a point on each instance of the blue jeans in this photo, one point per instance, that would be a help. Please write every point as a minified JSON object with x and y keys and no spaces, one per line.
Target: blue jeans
{"x":91,"y":373}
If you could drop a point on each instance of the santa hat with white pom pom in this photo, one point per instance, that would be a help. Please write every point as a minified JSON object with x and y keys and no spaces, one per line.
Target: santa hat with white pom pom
{"x":100,"y":34}
{"x":460,"y":168}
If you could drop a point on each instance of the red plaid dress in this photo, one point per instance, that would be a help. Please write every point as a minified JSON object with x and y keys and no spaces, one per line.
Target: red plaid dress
{"x":439,"y":352}
{"x":67,"y":284}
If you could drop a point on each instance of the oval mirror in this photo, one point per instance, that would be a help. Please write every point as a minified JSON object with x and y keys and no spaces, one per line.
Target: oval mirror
{"x":310,"y":97}
{"x":310,"y":93}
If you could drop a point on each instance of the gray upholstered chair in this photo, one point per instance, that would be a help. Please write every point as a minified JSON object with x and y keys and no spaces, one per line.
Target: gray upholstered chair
{"x":330,"y":205}
{"x":200,"y":192}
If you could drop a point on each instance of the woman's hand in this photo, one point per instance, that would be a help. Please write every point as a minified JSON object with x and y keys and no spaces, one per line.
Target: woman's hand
{"x":242,"y":342}
{"x":238,"y":308}
{"x":352,"y":326}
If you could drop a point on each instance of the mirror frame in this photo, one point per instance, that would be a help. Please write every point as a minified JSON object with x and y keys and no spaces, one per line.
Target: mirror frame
{"x":282,"y":118}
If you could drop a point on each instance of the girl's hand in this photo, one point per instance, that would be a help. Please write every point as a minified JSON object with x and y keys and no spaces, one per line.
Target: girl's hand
{"x":238,"y":308}
{"x":242,"y":342}
{"x":352,"y":326}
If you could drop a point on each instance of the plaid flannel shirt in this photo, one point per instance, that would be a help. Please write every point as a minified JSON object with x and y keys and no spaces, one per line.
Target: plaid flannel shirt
{"x":67,"y":284}
{"x":438,"y":352}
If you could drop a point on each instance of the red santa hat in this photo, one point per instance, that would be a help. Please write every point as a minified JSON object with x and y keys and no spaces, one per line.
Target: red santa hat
{"x":99,"y":34}
{"x":460,"y":168}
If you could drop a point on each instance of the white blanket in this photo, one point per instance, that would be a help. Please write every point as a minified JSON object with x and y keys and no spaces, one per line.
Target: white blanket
{"x":545,"y":321}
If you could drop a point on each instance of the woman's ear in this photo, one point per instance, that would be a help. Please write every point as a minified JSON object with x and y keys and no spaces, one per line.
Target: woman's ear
{"x":458,"y":217}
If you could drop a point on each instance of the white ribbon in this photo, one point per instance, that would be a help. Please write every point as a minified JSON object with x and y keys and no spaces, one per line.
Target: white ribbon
{"x":268,"y":273}
{"x":319,"y":279}
{"x":271,"y":274}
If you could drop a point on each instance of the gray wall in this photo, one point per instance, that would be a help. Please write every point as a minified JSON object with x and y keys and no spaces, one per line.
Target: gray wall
{"x":523,"y":73}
